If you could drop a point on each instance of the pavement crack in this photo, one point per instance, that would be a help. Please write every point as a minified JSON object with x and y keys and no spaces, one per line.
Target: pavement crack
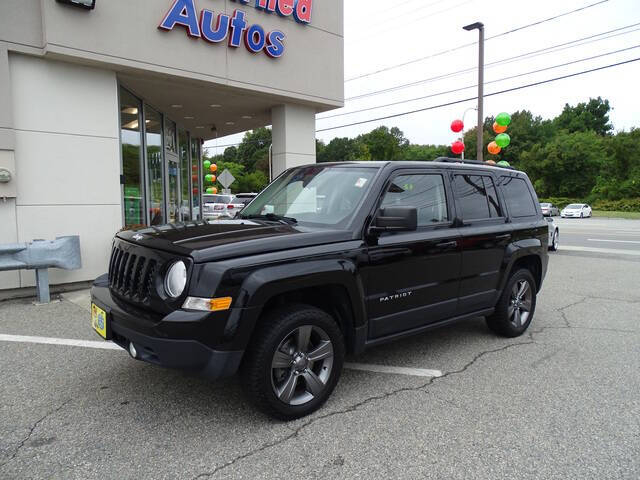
{"x":356,"y":406}
{"x":32,"y":429}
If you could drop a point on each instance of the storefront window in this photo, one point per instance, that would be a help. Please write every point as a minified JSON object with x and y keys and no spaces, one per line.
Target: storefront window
{"x":131,"y":141}
{"x":172,"y":172}
{"x":185,"y":170}
{"x":153,"y":129}
{"x":195,"y":176}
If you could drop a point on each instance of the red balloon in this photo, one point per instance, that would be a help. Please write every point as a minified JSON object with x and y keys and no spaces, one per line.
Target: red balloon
{"x":457,"y":126}
{"x":195,"y":191}
{"x":457,"y":147}
{"x":194,"y":178}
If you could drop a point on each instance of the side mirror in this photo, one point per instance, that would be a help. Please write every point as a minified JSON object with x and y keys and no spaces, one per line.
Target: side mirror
{"x":396,"y":219}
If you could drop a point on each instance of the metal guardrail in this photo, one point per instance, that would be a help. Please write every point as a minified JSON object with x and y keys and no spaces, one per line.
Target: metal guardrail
{"x":40,"y":255}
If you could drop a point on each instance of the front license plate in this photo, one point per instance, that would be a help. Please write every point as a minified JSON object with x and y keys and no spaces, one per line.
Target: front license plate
{"x":99,"y":320}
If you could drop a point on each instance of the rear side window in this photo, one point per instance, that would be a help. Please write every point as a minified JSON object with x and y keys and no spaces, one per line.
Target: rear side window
{"x":518,"y":197}
{"x":477,"y":197}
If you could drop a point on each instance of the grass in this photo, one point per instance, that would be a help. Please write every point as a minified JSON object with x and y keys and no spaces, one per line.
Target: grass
{"x":629,"y":215}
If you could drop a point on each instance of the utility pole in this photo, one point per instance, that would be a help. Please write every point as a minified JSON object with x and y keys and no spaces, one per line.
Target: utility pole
{"x":480,"y":27}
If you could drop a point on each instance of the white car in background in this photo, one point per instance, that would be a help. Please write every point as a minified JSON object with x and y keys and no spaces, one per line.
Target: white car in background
{"x":576,"y":210}
{"x":219,"y":206}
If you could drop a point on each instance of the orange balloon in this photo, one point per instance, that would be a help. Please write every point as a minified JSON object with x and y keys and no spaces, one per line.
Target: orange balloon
{"x":213,"y":178}
{"x":499,"y":128}
{"x":214,"y":167}
{"x":493,"y":148}
{"x":490,"y":162}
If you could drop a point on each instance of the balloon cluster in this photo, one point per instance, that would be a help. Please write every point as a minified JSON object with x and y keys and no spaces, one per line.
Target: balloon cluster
{"x":457,"y":147}
{"x":502,"y":139}
{"x":210,"y":177}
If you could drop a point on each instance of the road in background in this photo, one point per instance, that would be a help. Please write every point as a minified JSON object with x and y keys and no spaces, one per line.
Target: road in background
{"x":559,"y":402}
{"x":599,"y":233}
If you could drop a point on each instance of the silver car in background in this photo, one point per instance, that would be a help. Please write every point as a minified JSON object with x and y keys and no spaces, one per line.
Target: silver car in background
{"x":220,"y":206}
{"x":549,"y":210}
{"x":554,"y":235}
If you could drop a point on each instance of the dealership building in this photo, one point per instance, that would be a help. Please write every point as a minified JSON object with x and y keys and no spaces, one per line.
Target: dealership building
{"x":105,"y":105}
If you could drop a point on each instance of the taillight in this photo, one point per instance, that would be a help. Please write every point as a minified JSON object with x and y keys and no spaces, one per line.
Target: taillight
{"x":230,"y":207}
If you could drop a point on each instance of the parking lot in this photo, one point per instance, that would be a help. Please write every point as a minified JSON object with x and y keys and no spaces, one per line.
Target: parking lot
{"x":559,"y":402}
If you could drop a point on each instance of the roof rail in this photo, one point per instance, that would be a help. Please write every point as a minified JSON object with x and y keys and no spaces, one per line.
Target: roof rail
{"x":469,"y":162}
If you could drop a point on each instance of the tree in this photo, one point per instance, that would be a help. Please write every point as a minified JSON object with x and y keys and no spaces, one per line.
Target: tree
{"x":425,"y":152}
{"x":385,"y":144}
{"x":566,"y":166}
{"x":255,"y":147}
{"x":584,"y":117}
{"x":343,"y":150}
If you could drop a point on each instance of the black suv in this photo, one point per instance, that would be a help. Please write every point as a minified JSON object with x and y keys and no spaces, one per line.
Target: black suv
{"x":329,"y":259}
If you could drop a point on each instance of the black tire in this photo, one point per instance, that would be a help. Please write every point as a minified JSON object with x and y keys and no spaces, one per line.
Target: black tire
{"x":554,"y":241}
{"x":261,"y":378}
{"x":502,"y":321}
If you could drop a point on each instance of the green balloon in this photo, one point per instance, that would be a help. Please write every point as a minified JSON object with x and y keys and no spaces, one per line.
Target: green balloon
{"x":503,"y":119}
{"x":503,"y":163}
{"x":206,"y":165}
{"x":209,"y":178}
{"x":503,"y":140}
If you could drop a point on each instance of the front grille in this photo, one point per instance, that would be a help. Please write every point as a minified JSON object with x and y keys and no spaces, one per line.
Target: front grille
{"x":131,"y":276}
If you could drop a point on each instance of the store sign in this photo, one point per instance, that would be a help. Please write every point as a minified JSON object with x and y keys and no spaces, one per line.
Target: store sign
{"x":235,"y":28}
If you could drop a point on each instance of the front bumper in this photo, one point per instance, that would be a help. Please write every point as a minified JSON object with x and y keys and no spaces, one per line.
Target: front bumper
{"x":165,"y":341}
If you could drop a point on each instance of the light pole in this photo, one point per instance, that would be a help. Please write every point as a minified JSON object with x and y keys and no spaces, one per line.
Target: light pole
{"x":480,"y":27}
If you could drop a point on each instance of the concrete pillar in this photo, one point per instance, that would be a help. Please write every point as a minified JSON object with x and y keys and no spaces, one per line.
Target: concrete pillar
{"x":294,"y":136}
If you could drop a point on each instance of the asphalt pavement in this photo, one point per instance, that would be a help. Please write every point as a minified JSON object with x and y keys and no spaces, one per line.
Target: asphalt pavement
{"x":559,"y":402}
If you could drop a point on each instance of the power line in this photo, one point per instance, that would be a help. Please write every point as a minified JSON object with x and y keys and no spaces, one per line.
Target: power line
{"x":534,"y":53}
{"x":450,"y":50}
{"x":486,"y":83}
{"x":475,"y":97}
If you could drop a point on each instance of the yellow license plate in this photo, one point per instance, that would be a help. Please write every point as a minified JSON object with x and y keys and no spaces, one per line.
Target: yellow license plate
{"x":99,"y":320}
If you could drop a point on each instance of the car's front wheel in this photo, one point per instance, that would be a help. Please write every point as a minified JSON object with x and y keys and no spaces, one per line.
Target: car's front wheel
{"x":514,"y":311}
{"x":294,"y":361}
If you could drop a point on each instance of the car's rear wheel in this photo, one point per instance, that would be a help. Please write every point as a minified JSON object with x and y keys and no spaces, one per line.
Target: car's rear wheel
{"x":294,"y":361}
{"x":554,"y":241}
{"x":516,"y":307}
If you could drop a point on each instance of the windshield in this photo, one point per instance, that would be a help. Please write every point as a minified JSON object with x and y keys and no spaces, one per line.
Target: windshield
{"x":216,"y":198}
{"x":544,"y":205}
{"x":574,"y":206}
{"x":322,"y":196}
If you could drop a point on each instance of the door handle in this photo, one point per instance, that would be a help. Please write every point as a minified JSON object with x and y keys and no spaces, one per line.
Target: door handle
{"x":452,"y":244}
{"x":506,"y":236}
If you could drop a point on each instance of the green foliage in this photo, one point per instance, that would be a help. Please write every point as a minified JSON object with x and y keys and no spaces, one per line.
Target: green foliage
{"x":624,"y":205}
{"x":590,"y":116}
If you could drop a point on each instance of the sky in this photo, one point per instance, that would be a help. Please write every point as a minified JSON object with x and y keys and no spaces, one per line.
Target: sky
{"x":392,"y":32}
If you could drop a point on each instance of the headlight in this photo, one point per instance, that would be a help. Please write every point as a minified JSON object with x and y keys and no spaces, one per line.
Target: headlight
{"x":176,"y":279}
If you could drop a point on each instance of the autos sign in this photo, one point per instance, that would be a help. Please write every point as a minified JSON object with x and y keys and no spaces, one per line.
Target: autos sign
{"x":235,"y":28}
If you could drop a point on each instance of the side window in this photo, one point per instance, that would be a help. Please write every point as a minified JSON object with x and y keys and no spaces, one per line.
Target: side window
{"x":472,"y":195}
{"x":492,"y":197}
{"x":423,"y":191}
{"x":518,"y":197}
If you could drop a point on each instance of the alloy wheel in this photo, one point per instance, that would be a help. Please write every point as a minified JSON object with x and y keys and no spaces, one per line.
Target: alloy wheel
{"x":520,"y":303}
{"x":301,"y":365}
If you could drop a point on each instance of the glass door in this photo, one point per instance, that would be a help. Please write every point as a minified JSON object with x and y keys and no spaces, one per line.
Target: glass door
{"x":173,"y":172}
{"x":195,"y":177}
{"x":185,"y":176}
{"x":155,"y":166}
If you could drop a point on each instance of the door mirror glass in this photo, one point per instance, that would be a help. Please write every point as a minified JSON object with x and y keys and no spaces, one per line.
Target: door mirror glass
{"x":396,"y":219}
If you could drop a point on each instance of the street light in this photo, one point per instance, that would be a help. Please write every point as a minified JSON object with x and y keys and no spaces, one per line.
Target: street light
{"x":480,"y":27}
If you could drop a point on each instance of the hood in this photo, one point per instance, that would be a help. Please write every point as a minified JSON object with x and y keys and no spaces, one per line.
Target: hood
{"x":231,"y":238}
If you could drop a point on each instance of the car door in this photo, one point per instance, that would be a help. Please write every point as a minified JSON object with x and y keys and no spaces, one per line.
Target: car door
{"x":411,"y":278}
{"x":485,"y":237}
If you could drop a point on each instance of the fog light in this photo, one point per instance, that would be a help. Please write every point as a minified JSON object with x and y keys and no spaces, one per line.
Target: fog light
{"x":132,"y":350}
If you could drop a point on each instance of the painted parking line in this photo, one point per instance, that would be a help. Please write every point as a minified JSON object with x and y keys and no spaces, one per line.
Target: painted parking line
{"x":59,"y":341}
{"x":612,"y":241}
{"x":103,"y":345}
{"x":615,"y":251}
{"x":414,"y":372}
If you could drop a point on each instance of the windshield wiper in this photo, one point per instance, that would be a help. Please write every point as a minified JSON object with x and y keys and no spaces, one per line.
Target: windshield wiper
{"x":273,"y":218}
